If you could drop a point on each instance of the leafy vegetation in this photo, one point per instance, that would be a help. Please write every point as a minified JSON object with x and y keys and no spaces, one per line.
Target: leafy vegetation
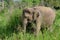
{"x":11,"y":23}
{"x":8,"y":22}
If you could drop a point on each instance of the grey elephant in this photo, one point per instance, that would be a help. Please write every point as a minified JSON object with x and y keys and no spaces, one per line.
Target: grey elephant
{"x":40,"y":15}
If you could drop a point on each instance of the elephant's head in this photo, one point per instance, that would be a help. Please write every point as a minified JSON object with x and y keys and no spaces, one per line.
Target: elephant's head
{"x":28,"y":14}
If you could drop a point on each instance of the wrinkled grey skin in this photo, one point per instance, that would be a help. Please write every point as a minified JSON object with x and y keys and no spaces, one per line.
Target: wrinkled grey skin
{"x":41,"y":15}
{"x":27,"y":17}
{"x":37,"y":17}
{"x":48,"y":17}
{"x":31,"y":15}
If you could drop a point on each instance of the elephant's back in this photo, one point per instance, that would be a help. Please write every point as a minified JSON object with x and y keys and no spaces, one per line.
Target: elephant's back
{"x":48,"y":14}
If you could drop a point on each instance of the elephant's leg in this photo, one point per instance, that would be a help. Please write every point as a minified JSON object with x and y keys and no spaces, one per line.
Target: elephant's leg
{"x":38,"y":27}
{"x":50,"y":28}
{"x":24,"y":25}
{"x":24,"y":28}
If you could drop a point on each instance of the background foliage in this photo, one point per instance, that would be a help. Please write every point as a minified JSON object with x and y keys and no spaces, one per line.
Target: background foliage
{"x":11,"y":23}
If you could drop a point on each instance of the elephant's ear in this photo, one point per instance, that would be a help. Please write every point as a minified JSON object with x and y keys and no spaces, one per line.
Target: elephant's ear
{"x":36,"y":10}
{"x":38,"y":14}
{"x":26,"y":11}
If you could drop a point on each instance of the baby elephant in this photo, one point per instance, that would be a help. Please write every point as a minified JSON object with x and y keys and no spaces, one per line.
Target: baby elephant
{"x":40,"y":16}
{"x":48,"y":17}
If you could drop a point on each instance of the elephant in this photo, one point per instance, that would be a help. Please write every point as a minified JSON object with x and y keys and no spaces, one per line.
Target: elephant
{"x":48,"y":17}
{"x":41,"y":16}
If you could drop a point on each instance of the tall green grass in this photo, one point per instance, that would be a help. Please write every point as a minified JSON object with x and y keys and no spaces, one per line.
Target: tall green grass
{"x":10,"y":22}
